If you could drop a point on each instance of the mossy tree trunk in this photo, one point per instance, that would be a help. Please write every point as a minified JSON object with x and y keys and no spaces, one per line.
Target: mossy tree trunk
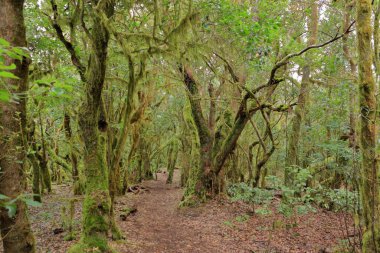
{"x":172,"y":160}
{"x":299,"y":113}
{"x":135,"y":143}
{"x":213,"y":152}
{"x":36,"y":178}
{"x":369,"y":189}
{"x":32,"y":156}
{"x":147,"y":173}
{"x":15,"y":231}
{"x":376,"y":39}
{"x":97,"y":202}
{"x":42,"y":157}
{"x":73,"y":156}
{"x":206,"y":176}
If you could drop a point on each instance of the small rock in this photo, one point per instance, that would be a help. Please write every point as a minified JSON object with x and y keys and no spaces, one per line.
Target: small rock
{"x":57,"y":231}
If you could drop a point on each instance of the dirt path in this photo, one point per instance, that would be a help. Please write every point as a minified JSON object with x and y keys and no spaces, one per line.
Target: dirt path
{"x":219,"y":226}
{"x":158,"y":225}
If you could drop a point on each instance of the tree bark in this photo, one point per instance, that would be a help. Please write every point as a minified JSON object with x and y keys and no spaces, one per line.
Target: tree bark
{"x":172,"y":160}
{"x":15,"y":231}
{"x":369,"y":190}
{"x":73,"y":156}
{"x":97,"y":202}
{"x":205,"y":178}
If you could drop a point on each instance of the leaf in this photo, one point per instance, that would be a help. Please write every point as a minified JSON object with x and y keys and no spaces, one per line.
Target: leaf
{"x":21,"y":51}
{"x":10,"y":67}
{"x":3,"y":197}
{"x":13,"y":55}
{"x":66,"y":87}
{"x":6,"y":74}
{"x":12,"y":208}
{"x":5,"y":95}
{"x":31,"y":202}
{"x":3,"y":42}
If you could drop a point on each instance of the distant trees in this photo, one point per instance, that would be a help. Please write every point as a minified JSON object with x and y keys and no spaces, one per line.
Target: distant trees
{"x":216,"y":148}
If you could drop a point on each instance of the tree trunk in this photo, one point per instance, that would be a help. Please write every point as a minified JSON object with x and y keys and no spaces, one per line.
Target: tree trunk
{"x":146,"y":163}
{"x":369,"y":190}
{"x":33,"y":158}
{"x":15,"y":231}
{"x":376,"y":40}
{"x":133,"y":150}
{"x":73,"y":157}
{"x":172,"y":160}
{"x":42,"y":157}
{"x":97,"y":202}
{"x":353,"y":70}
{"x":205,"y":178}
{"x":36,"y":178}
{"x":292,"y":156}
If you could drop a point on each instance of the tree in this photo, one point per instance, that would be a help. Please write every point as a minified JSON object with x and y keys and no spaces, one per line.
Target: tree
{"x":303,"y":97}
{"x":15,"y":231}
{"x":369,"y":188}
{"x":97,"y":204}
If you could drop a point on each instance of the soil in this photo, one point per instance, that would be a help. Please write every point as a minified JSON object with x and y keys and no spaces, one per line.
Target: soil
{"x":159,"y":226}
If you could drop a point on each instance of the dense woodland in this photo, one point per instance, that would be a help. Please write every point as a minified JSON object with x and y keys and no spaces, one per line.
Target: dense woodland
{"x":189,"y":126}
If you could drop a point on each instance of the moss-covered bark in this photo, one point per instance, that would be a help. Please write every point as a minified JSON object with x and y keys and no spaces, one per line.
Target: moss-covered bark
{"x":376,"y":39}
{"x":205,"y":176}
{"x":213,"y":152}
{"x":369,"y":185}
{"x":97,"y":202}
{"x":32,"y":154}
{"x":36,"y":178}
{"x":15,"y":231}
{"x":73,"y":156}
{"x":46,"y":178}
{"x":172,"y":160}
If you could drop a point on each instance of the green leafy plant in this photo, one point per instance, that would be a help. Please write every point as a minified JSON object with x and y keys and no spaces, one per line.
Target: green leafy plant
{"x":242,"y":218}
{"x":6,"y":50}
{"x":11,"y":204}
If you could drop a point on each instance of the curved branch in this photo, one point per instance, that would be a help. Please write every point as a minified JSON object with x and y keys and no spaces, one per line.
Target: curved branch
{"x":69,"y":46}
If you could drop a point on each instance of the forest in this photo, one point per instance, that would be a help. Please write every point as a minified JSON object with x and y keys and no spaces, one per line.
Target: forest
{"x":203,"y":126}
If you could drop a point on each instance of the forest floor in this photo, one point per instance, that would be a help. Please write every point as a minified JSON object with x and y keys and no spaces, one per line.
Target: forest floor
{"x":160,"y":226}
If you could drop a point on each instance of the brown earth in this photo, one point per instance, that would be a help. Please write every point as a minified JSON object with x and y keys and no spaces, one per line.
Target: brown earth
{"x":218,"y":226}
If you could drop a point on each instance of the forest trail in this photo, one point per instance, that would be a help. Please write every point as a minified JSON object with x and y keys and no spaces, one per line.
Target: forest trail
{"x":158,"y":225}
{"x":219,"y":226}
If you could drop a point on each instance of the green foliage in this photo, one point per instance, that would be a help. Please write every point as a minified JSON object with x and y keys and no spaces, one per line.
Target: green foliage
{"x":6,"y":50}
{"x":334,"y":199}
{"x":298,"y":199}
{"x":242,"y":218}
{"x":11,"y":204}
{"x":245,"y":193}
{"x":252,"y":25}
{"x":228,"y":224}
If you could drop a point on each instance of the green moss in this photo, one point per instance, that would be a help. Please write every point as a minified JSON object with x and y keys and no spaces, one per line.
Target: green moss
{"x":95,"y":213}
{"x":115,"y":230}
{"x":69,"y":237}
{"x":368,"y":245}
{"x":194,"y":193}
{"x":93,"y":245}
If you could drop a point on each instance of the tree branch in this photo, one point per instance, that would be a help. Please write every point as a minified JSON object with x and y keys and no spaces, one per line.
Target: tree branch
{"x":69,"y":46}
